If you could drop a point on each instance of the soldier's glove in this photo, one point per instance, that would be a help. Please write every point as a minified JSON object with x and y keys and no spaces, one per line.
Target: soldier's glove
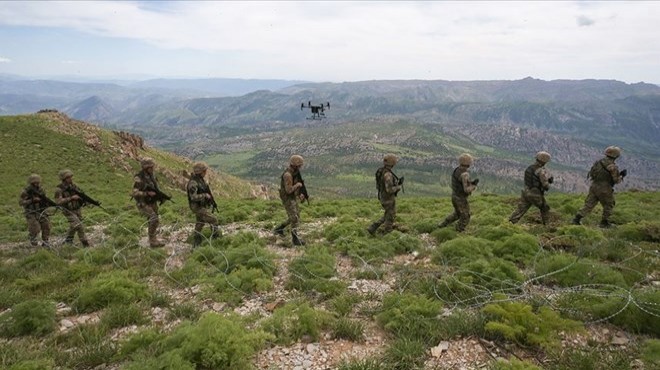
{"x":475,"y":182}
{"x":623,"y":173}
{"x":401,"y":180}
{"x":551,"y":180}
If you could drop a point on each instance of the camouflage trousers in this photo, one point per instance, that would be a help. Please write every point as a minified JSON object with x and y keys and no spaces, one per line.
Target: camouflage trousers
{"x":461,"y":213}
{"x":75,"y":225}
{"x":599,"y":193}
{"x":293,"y":213}
{"x":150,"y":211}
{"x":389,"y":205}
{"x":528,"y":198}
{"x":38,"y":222}
{"x":203,"y":216}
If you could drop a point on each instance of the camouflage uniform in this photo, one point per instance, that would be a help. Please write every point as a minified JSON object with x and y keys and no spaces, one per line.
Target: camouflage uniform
{"x":144,"y":182}
{"x":604,"y":174}
{"x":388,"y":188}
{"x":537,"y":182}
{"x":35,"y":215}
{"x":290,"y":184}
{"x":461,"y":188}
{"x":66,"y":197}
{"x":200,"y":202}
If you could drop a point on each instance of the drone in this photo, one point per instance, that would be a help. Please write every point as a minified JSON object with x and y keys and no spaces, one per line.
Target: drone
{"x":317,"y":110}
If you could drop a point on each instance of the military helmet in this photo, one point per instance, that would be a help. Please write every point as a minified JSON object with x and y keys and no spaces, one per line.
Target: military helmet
{"x":296,"y":160}
{"x":613,"y":151}
{"x":199,"y":167}
{"x":147,"y":162}
{"x":65,"y":173}
{"x":33,"y":178}
{"x":543,"y":157}
{"x":465,"y":160}
{"x":390,"y":160}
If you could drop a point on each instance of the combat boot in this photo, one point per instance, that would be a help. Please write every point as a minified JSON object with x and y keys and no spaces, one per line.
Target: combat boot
{"x":372,"y":229}
{"x":68,"y":240}
{"x":280,"y":229}
{"x":577,"y":219}
{"x":216,"y":233}
{"x":445,"y":224}
{"x":605,"y":224}
{"x":295,"y":239}
{"x":85,"y":243}
{"x":45,"y":244}
{"x":154,"y":242}
{"x":197,"y":240}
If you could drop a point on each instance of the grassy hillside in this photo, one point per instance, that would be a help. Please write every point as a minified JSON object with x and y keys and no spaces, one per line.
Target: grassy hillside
{"x":104,"y":167}
{"x":556,"y":297}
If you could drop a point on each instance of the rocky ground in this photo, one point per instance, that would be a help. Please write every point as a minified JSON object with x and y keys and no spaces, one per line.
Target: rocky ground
{"x":327,"y":353}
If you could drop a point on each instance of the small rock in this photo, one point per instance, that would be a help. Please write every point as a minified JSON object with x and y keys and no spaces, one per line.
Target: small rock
{"x":437,"y":350}
{"x":619,"y":341}
{"x":66,"y":323}
{"x":218,"y":306}
{"x":311,"y":348}
{"x":307,"y":364}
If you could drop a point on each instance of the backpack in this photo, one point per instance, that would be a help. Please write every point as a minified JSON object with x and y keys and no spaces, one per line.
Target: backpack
{"x":380,"y":184}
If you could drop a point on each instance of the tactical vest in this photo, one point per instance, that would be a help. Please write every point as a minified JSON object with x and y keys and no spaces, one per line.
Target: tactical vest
{"x":67,"y":192}
{"x":202,"y":188}
{"x":32,"y":192}
{"x":457,"y":182}
{"x":532,"y":181}
{"x":599,"y":173}
{"x":296,"y":176}
{"x":380,"y":179}
{"x":147,"y":182}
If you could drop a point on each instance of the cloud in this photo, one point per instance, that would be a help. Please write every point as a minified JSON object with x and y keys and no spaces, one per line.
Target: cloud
{"x":584,"y":21}
{"x":5,"y":60}
{"x":71,"y":62}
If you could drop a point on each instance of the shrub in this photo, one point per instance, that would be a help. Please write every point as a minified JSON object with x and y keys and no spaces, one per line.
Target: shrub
{"x":461,"y":323}
{"x":514,"y":364}
{"x":344,"y":328}
{"x":640,"y":231}
{"x":142,"y":342}
{"x":465,"y":249}
{"x":574,"y":236}
{"x":240,"y":282}
{"x":292,"y":321}
{"x":497,"y":233}
{"x":444,"y":234}
{"x":410,"y":316}
{"x":106,"y":289}
{"x":215,"y":342}
{"x":364,"y":364}
{"x":119,"y":316}
{"x":33,"y":317}
{"x":315,"y":271}
{"x":33,"y":365}
{"x":517,"y":322}
{"x":567,"y":270}
{"x":491,"y":274}
{"x":405,"y":354}
{"x":651,"y":353}
{"x":186,"y":310}
{"x":518,"y":248}
{"x":343,"y":304}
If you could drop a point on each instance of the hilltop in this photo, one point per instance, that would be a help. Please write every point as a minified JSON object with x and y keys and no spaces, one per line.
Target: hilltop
{"x":104,"y":163}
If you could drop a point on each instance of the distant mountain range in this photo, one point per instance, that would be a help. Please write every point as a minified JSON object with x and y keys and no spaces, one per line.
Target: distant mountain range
{"x":503,"y":122}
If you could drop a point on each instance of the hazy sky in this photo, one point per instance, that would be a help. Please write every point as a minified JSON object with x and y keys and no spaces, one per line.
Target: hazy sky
{"x":333,"y":41}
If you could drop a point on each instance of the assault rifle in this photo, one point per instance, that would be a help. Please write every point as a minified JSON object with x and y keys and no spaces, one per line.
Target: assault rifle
{"x":213,"y":202}
{"x":44,"y":201}
{"x":303,"y":189}
{"x":86,"y":199}
{"x":160,"y":196}
{"x":401,"y":179}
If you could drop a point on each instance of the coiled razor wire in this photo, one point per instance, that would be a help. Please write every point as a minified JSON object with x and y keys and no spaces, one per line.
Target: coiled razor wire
{"x":482,"y":295}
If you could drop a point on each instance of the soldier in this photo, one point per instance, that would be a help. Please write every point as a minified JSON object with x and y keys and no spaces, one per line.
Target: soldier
{"x":537,"y":182}
{"x":144,"y":193}
{"x":33,"y":200}
{"x":200,"y":200}
{"x":388,"y":185}
{"x":67,"y":197}
{"x":461,"y":188}
{"x":604,"y":174}
{"x":290,"y":183}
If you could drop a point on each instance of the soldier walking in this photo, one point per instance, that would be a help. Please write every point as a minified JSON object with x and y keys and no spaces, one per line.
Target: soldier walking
{"x":200,"y":201}
{"x":537,"y":182}
{"x":388,"y":185}
{"x":461,"y":188}
{"x":66,"y":196}
{"x":145,"y":186}
{"x":604,"y":174}
{"x":33,"y":200}
{"x":290,"y":183}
